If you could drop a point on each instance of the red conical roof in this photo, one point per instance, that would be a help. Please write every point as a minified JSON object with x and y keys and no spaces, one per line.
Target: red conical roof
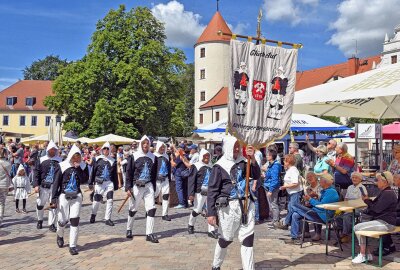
{"x":216,"y":24}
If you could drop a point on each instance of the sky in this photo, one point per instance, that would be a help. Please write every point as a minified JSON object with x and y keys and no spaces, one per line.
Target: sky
{"x":328,"y":29}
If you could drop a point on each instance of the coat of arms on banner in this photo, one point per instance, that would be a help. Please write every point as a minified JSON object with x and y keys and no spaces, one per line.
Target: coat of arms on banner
{"x":261,"y":92}
{"x":259,"y":89}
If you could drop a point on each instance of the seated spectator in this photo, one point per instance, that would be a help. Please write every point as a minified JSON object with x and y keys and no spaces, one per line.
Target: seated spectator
{"x":388,"y":246}
{"x":313,"y":189}
{"x":272,"y":184}
{"x":382,"y":211}
{"x":345,"y":221}
{"x":328,"y":195}
{"x":321,"y":166}
{"x":343,"y":166}
{"x":394,"y":166}
{"x":292,"y":185}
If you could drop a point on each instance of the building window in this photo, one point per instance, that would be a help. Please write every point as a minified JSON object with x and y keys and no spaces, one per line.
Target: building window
{"x":34,"y":121}
{"x":394,"y":59}
{"x":216,"y":116}
{"x":47,"y":121}
{"x":30,"y":101}
{"x":202,"y":52}
{"x":22,"y":120}
{"x":5,"y":120}
{"x":11,"y":101}
{"x":202,"y":96}
{"x":202,"y":74}
{"x":201,"y":119}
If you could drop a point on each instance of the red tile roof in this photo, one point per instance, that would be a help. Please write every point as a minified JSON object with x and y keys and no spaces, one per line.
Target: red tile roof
{"x":220,"y":99}
{"x":216,"y":24}
{"x":317,"y":76}
{"x":311,"y":77}
{"x":23,"y":89}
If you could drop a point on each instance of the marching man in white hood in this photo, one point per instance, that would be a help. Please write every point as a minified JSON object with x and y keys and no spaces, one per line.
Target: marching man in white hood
{"x":43,"y":177}
{"x":141,"y":177}
{"x":197,"y":189}
{"x":163,"y":177}
{"x":104,"y":177}
{"x":225,"y":198}
{"x":66,"y":189}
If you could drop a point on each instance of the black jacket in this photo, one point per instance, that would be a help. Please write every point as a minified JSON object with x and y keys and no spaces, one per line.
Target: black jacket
{"x":160,"y":161}
{"x":135,"y":168}
{"x":45,"y":168}
{"x":196,"y":178}
{"x":62,"y":179}
{"x":220,"y":184}
{"x":383,"y":207}
{"x":98,"y":169}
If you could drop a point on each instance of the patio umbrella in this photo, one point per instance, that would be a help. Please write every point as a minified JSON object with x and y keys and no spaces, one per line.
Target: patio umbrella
{"x":391,"y":131}
{"x":372,"y":94}
{"x":112,"y":138}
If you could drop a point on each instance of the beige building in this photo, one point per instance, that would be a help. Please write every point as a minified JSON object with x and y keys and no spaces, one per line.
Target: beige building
{"x":22,"y":112}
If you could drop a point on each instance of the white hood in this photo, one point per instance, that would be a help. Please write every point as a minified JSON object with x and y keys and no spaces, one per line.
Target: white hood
{"x":20,"y":168}
{"x":199,"y":164}
{"x":67,"y":162}
{"x":109,"y":158}
{"x":158,"y":146}
{"x":227,"y":161}
{"x":51,"y":145}
{"x":139,"y":153}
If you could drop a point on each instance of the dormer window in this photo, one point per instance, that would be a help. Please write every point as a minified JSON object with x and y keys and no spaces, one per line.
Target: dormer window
{"x":30,"y":101}
{"x":11,"y":101}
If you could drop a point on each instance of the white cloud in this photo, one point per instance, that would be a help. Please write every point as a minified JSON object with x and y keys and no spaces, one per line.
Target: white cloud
{"x":366,"y":21}
{"x":240,"y":28}
{"x":295,"y":11}
{"x":182,"y":27}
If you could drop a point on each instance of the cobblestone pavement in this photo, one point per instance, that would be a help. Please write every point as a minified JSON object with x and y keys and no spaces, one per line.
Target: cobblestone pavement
{"x":22,"y":246}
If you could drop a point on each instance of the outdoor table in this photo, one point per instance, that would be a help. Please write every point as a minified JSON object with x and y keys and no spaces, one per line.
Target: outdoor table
{"x":346,"y":206}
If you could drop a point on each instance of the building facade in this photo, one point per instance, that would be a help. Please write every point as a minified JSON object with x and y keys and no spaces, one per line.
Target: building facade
{"x":22,"y":112}
{"x":391,"y":48}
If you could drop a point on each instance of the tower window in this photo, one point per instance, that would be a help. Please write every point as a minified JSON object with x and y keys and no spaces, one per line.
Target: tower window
{"x":216,"y":116}
{"x":202,"y":74}
{"x":202,"y":96}
{"x":202,"y":52}
{"x":201,"y":118}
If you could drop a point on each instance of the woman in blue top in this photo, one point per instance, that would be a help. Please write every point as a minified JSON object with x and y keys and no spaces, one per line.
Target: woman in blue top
{"x":272,"y":184}
{"x":321,"y":166}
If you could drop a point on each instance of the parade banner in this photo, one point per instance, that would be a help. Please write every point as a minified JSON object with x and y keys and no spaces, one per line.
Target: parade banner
{"x":261,"y":92}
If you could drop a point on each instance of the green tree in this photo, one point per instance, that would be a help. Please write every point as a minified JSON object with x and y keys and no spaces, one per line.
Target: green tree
{"x":127,"y":71}
{"x":45,"y":69}
{"x":354,"y":120}
{"x":188,"y":85}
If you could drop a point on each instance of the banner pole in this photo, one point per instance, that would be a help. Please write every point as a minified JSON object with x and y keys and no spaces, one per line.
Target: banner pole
{"x":247,"y":185}
{"x":263,"y":40}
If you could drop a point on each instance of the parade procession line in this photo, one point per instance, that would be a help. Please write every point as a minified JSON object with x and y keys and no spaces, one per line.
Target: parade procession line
{"x":22,"y":246}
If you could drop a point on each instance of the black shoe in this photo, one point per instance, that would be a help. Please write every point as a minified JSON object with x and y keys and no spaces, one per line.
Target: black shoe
{"x":385,"y":251}
{"x":92,"y":218}
{"x":109,"y":222}
{"x":39,"y":224}
{"x":216,"y":268}
{"x":73,"y":251}
{"x":190,"y":229}
{"x":60,"y":241}
{"x":166,"y":218}
{"x":293,"y":241}
{"x":151,"y":238}
{"x":213,"y":234}
{"x":129,"y":234}
{"x":52,"y":228}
